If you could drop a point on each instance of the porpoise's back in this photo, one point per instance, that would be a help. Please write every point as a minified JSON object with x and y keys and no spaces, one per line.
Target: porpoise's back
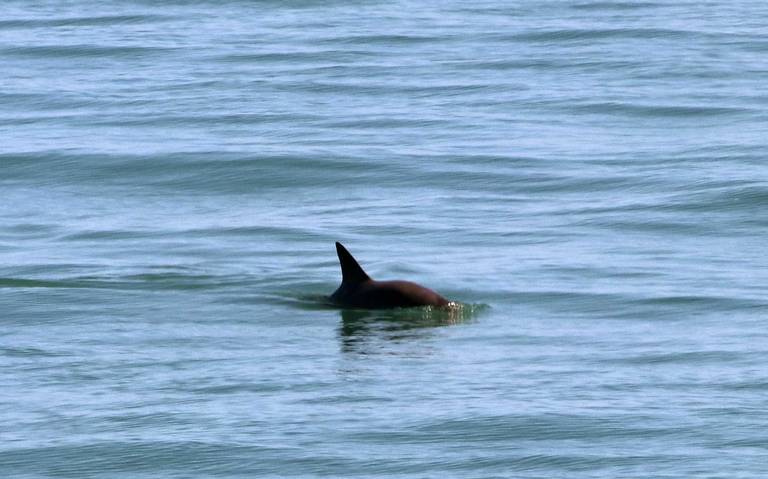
{"x":393,"y":294}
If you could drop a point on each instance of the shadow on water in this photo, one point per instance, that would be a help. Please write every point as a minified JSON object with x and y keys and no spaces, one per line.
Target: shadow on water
{"x":389,"y":331}
{"x":371,"y":331}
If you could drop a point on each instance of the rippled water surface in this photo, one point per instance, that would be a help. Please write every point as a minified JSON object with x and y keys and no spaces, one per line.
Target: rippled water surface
{"x":588,"y":178}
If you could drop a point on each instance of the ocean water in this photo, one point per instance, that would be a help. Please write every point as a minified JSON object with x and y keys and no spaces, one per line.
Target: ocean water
{"x":587,"y":177}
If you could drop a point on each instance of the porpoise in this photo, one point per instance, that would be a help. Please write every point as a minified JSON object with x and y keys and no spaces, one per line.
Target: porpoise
{"x":358,"y":290}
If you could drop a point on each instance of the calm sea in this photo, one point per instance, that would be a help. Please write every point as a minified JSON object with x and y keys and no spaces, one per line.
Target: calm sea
{"x":588,"y":178}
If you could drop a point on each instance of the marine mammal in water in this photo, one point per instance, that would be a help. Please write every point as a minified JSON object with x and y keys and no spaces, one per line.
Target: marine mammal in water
{"x":358,"y":290}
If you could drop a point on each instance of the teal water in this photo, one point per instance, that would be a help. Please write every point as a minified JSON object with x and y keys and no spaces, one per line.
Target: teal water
{"x":587,"y":177}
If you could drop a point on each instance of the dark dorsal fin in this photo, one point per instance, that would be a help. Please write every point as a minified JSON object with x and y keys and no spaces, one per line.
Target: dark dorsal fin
{"x":351,"y":272}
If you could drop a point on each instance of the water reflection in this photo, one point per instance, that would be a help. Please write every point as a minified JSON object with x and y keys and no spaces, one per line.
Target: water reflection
{"x":386,"y":331}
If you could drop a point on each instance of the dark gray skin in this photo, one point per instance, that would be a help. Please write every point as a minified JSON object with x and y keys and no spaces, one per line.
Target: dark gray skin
{"x":358,"y":290}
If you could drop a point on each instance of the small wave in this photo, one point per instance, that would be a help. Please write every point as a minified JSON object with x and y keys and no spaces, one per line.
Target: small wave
{"x":142,"y":281}
{"x":88,"y":51}
{"x":386,"y":39}
{"x":29,"y":352}
{"x":222,"y":172}
{"x":542,"y":64}
{"x":207,"y":120}
{"x":27,"y":231}
{"x":106,"y":20}
{"x":293,"y":58}
{"x":605,"y":34}
{"x":662,"y":111}
{"x":617,"y":5}
{"x":682,"y":307}
{"x":35,"y":283}
{"x":388,"y":122}
{"x":759,"y":45}
{"x":751,"y":198}
{"x":538,"y":427}
{"x":626,"y":306}
{"x":111,"y":457}
{"x":92,"y":235}
{"x":685,"y":357}
{"x":238,"y":388}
